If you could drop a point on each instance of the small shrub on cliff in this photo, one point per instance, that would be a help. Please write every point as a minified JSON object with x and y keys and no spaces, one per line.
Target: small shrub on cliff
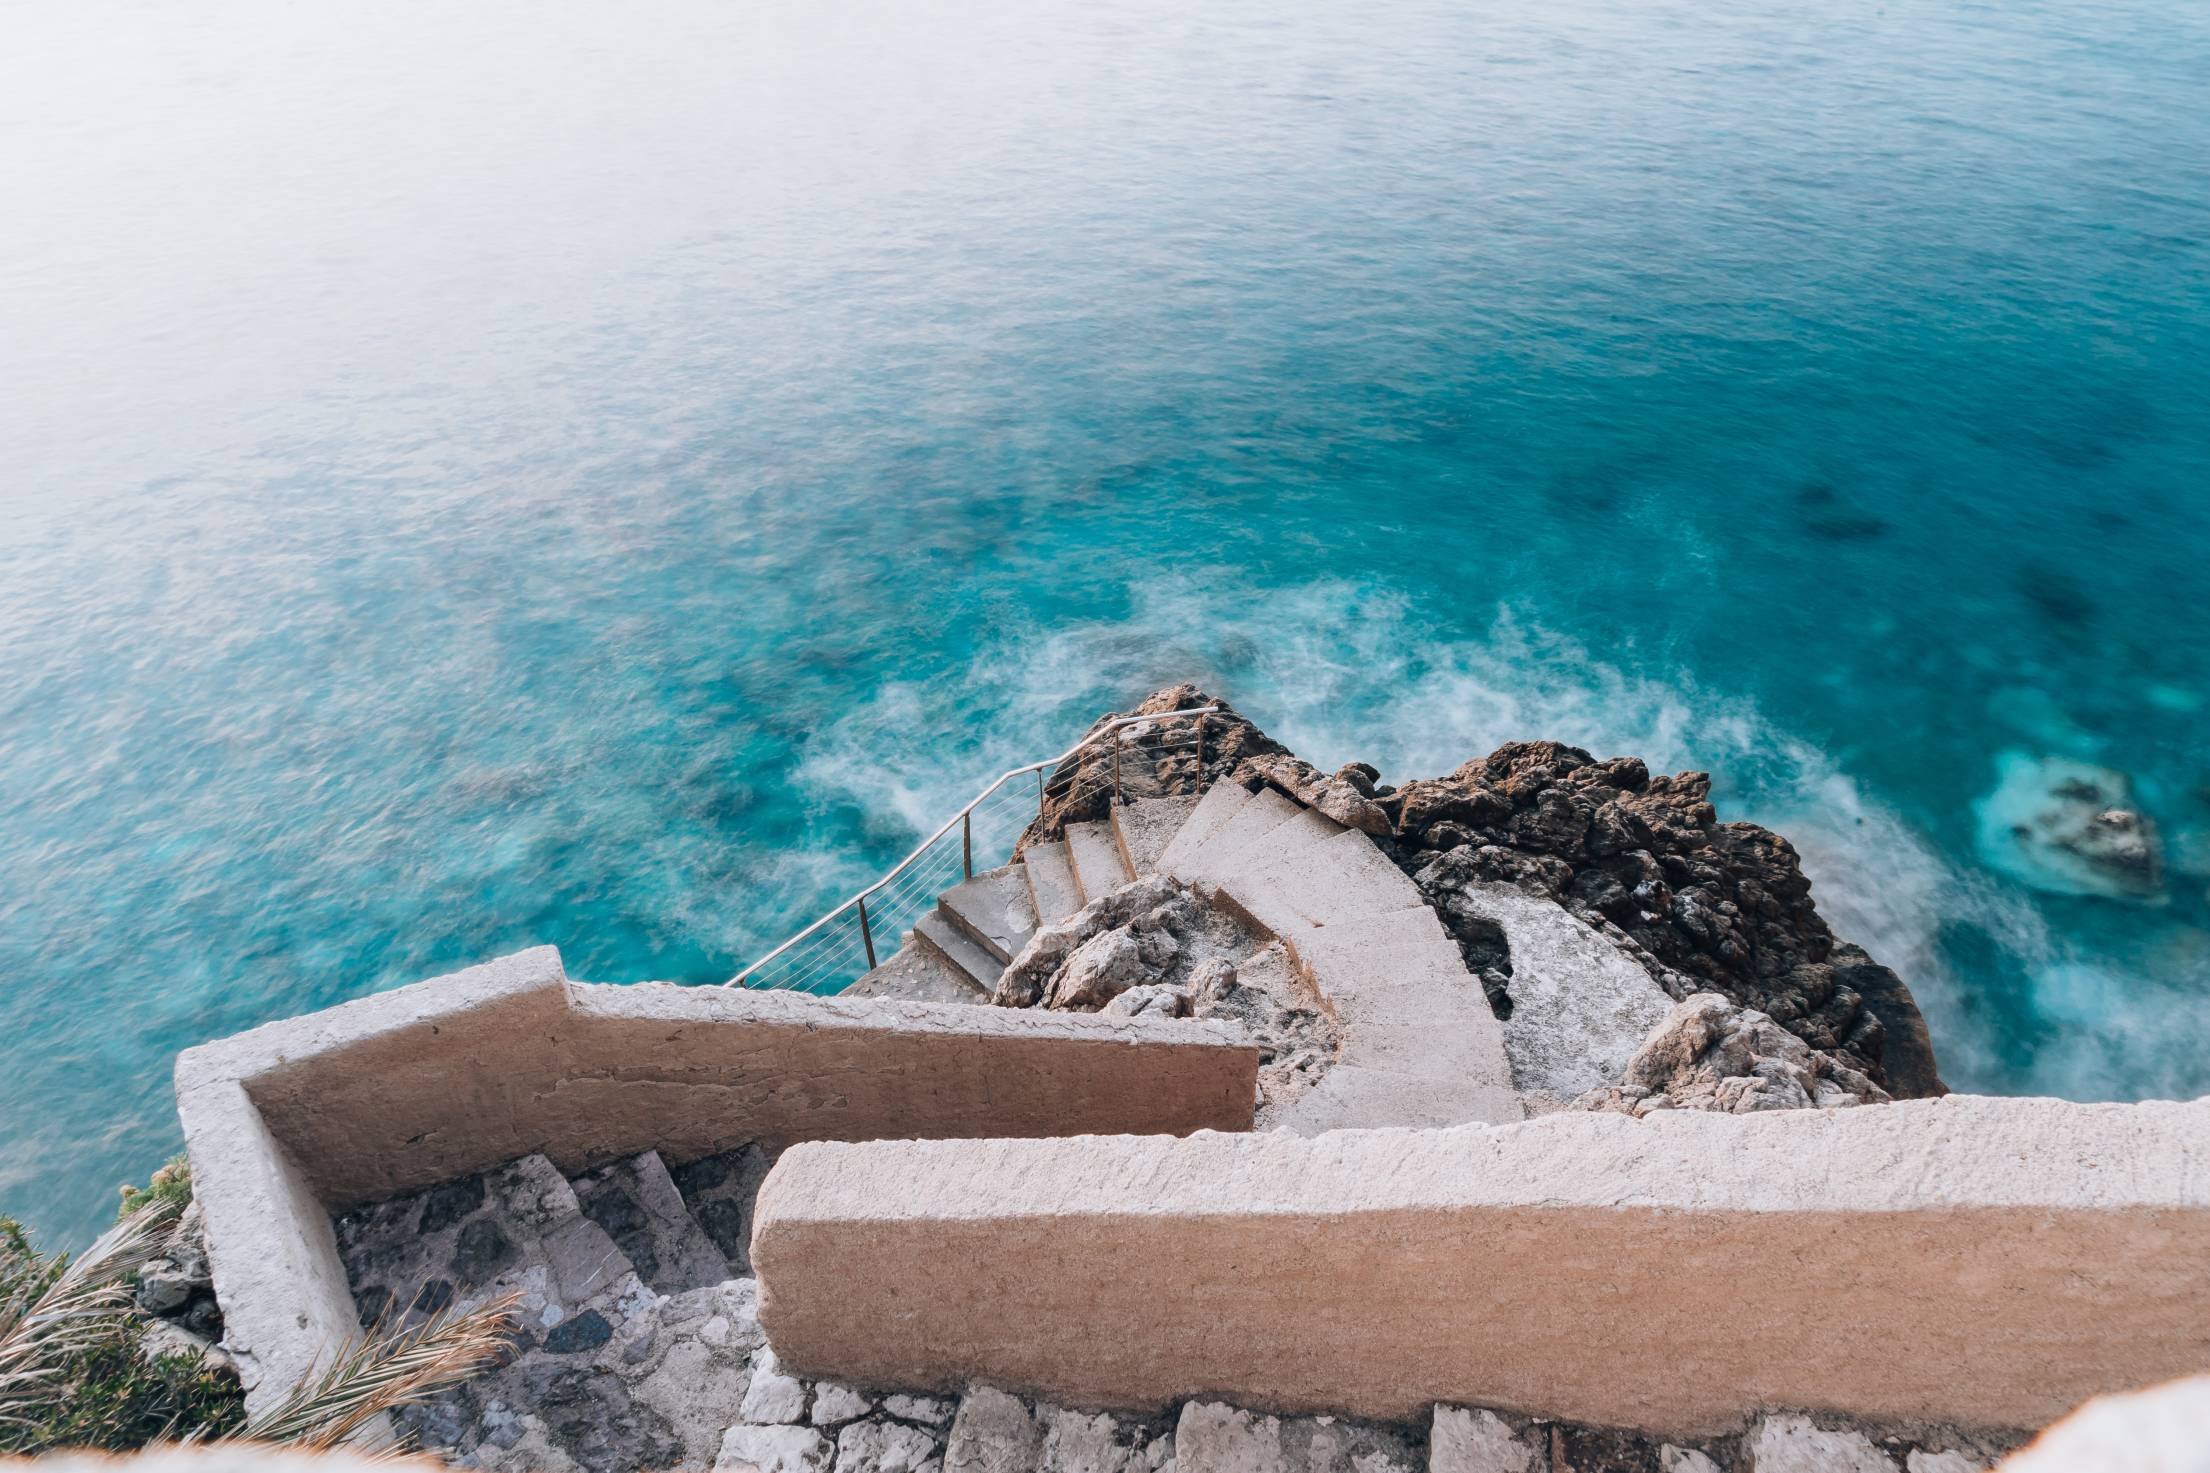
{"x":73,"y":1368}
{"x":172,"y":1184}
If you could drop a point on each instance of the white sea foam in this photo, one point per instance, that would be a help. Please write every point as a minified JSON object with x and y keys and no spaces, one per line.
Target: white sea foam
{"x":1340,"y":671}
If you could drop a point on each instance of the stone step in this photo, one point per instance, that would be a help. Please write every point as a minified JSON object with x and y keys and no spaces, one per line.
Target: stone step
{"x":960,"y":950}
{"x":1412,"y":923}
{"x":465,"y":1242}
{"x":1302,"y":833}
{"x":636,"y":1202}
{"x":1341,"y":880}
{"x":994,"y":908}
{"x":1220,"y":803}
{"x":1306,"y":830}
{"x":1265,"y":812}
{"x":719,"y":1191}
{"x":1098,"y":867}
{"x":1145,"y":827}
{"x":1052,"y":893}
{"x":1354,"y":1097}
{"x":917,"y":973}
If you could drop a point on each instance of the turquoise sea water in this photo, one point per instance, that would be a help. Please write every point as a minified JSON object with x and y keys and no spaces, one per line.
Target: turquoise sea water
{"x":609,"y":476}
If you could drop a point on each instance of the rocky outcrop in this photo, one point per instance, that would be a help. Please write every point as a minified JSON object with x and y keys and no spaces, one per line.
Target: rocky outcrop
{"x":1154,"y":948}
{"x":1176,"y":754}
{"x":1710,"y":1054}
{"x":176,"y":1297}
{"x":1700,"y":905}
{"x":1124,"y":937}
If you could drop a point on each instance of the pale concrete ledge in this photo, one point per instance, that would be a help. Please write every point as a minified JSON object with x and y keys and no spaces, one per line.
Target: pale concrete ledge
{"x":1980,"y":1262}
{"x":425,"y":1083}
{"x":1420,"y":1044}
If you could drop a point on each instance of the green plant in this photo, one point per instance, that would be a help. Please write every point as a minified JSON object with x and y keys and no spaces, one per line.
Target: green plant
{"x":171,"y":1184}
{"x":72,"y":1368}
{"x":74,"y":1372}
{"x":379,"y":1373}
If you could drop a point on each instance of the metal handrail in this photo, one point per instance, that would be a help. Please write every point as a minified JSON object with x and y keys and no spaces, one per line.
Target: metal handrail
{"x":962,"y":817}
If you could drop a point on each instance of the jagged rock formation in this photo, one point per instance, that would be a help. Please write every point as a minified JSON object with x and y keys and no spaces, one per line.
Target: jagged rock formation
{"x":1699,"y":904}
{"x":176,"y":1296}
{"x":1152,"y":947}
{"x":1709,"y":1054}
{"x":1180,"y":754}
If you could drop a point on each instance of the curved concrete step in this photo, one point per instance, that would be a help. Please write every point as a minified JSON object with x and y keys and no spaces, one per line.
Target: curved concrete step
{"x":1420,"y":1045}
{"x":1263,"y":812}
{"x":636,"y":1202}
{"x":1220,"y":803}
{"x":959,"y":950}
{"x":1052,"y":893}
{"x":1304,"y":831}
{"x":918,"y":973}
{"x":994,"y":908}
{"x":1145,"y":827}
{"x":1098,"y":866}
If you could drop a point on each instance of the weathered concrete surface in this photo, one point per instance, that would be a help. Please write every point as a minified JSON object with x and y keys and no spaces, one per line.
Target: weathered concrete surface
{"x":1094,"y":851}
{"x":1420,"y":1045}
{"x":429,"y":1082}
{"x":1580,"y":1005}
{"x":265,"y":1228}
{"x":423,"y":1084}
{"x":1146,"y":826}
{"x":2000,"y":1260}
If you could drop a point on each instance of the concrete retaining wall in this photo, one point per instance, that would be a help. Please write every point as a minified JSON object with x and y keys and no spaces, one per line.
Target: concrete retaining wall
{"x":407,"y":1088}
{"x":1973,"y":1261}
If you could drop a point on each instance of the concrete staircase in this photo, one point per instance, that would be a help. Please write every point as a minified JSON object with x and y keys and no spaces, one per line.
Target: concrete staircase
{"x":1421,"y":1045}
{"x":956,"y":951}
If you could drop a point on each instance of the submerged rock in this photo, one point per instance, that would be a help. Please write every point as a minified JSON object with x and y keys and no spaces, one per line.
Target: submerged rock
{"x":2071,"y":828}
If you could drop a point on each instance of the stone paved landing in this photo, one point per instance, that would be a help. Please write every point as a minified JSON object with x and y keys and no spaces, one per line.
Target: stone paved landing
{"x":637,"y":1334}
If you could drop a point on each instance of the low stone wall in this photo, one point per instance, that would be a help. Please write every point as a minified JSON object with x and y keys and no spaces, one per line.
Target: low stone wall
{"x":1968,"y":1261}
{"x":411,"y":1087}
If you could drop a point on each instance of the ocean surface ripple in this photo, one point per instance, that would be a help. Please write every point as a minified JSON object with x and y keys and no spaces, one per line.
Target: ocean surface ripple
{"x":487,"y":475}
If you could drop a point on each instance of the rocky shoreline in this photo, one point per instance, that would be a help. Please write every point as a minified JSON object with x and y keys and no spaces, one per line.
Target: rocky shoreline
{"x":1700,"y":905}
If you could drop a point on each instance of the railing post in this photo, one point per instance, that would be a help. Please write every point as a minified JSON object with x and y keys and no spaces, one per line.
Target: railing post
{"x":1118,"y":797}
{"x":866,"y":934}
{"x":1198,"y":785}
{"x":967,"y":842}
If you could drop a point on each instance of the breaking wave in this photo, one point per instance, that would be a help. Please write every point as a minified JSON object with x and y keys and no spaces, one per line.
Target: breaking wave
{"x":1342,"y":671}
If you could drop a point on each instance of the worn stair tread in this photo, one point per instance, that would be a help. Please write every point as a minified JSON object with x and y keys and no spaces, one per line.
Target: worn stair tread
{"x":958,"y":948}
{"x":1095,"y":854}
{"x":1341,"y":880}
{"x":1146,"y":826}
{"x":719,"y":1192}
{"x":1412,"y":961}
{"x":1052,"y":892}
{"x":1354,"y":1097}
{"x":1305,"y":830}
{"x":1220,"y":803}
{"x":636,"y":1202}
{"x":465,"y":1242}
{"x":994,"y":908}
{"x":918,"y":973}
{"x":1266,"y":811}
{"x":1409,"y":923}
